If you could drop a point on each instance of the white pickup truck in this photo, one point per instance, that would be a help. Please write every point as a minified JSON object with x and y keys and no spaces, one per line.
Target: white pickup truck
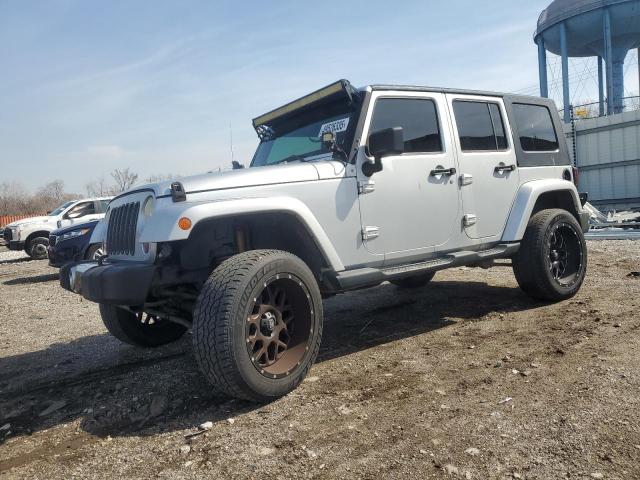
{"x":32,"y":234}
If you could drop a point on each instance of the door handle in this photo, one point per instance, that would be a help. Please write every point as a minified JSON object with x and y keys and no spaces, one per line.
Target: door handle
{"x":443,"y":171}
{"x":504,"y":168}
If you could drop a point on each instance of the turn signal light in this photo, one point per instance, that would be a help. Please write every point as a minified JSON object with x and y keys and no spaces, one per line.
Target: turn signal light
{"x":184,"y":223}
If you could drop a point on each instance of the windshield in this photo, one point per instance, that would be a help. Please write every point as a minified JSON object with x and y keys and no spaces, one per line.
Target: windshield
{"x":60,"y":209}
{"x":303,"y":139}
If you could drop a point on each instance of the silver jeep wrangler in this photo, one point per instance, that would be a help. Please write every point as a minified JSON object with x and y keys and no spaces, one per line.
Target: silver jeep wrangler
{"x":348,"y":188}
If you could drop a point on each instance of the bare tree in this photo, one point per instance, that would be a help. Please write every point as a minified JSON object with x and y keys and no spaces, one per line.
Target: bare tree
{"x":124,"y":179}
{"x":98,"y":187}
{"x":52,"y":191}
{"x":157,"y":178}
{"x":16,"y":200}
{"x":13,"y":198}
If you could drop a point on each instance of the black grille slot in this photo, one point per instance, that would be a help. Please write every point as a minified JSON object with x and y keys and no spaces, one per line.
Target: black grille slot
{"x":7,"y":235}
{"x":121,"y":231}
{"x":52,"y":240}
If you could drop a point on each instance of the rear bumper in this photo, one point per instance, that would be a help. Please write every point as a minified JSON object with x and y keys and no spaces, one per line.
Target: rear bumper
{"x":16,"y":245}
{"x":116,"y":284}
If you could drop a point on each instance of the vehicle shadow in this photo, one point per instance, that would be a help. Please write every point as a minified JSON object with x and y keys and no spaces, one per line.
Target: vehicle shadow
{"x":49,"y":277}
{"x":118,"y":390}
{"x":16,"y":260}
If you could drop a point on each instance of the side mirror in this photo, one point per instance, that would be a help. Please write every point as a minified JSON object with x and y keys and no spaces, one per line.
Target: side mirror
{"x":383,"y":143}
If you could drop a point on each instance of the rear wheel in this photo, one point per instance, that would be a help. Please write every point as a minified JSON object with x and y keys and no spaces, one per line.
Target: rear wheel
{"x":415,"y":281}
{"x":139,"y":329}
{"x":257,"y":324}
{"x":552,"y":260}
{"x":36,"y":248}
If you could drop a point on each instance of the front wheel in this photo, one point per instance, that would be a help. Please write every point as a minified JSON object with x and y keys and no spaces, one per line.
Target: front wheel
{"x":257,"y":324}
{"x":551,"y":263}
{"x":94,"y":252}
{"x":37,"y":248}
{"x":139,"y":329}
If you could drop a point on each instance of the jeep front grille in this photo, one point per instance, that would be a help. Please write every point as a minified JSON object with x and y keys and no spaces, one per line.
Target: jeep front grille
{"x":7,"y":235}
{"x":121,"y":231}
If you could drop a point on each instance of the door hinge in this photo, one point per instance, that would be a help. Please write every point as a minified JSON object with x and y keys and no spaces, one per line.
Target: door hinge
{"x":369,"y":233}
{"x":366,"y":187}
{"x":465,"y":179}
{"x":469,"y":220}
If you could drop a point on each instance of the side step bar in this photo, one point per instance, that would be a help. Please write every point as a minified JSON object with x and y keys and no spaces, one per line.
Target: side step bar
{"x":367,"y":277}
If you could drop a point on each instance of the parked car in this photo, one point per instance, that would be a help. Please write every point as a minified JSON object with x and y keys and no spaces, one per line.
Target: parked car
{"x":73,"y":244}
{"x":348,"y":188}
{"x":32,"y":234}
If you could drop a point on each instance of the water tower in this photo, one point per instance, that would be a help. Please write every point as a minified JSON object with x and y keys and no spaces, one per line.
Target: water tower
{"x":607,"y":29}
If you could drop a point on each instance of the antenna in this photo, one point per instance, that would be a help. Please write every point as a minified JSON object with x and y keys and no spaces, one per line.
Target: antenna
{"x":231,"y":140}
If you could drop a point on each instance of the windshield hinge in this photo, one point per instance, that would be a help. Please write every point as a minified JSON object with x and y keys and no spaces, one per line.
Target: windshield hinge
{"x":366,"y":187}
{"x":370,"y":232}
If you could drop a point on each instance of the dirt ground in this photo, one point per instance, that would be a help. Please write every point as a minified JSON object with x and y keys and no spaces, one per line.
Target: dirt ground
{"x":464,"y":378}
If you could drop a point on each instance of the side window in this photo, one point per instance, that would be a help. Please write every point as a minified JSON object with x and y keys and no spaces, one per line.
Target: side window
{"x":82,"y":209}
{"x":102,"y":205}
{"x":480,"y":126}
{"x":535,"y":128}
{"x":418,"y":119}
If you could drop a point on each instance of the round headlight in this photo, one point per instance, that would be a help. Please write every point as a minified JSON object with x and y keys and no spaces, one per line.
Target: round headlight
{"x":148,"y":206}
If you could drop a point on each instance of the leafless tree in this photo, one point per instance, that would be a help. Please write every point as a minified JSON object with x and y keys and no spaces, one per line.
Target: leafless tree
{"x":13,"y":198}
{"x":98,"y":187}
{"x":16,"y":200}
{"x":124,"y":179}
{"x":52,"y":191}
{"x":157,"y":178}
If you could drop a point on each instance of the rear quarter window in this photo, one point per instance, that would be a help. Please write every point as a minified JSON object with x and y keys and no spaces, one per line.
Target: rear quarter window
{"x":535,"y":128}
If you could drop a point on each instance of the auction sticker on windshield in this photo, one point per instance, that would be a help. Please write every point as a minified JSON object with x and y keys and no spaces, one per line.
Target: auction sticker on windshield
{"x":335,"y":127}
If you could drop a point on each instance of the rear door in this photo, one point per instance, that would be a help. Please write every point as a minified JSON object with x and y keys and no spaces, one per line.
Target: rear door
{"x":489,"y":176}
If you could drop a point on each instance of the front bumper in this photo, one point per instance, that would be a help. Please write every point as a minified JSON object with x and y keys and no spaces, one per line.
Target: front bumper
{"x":16,"y":245}
{"x":65,"y":252}
{"x":116,"y":284}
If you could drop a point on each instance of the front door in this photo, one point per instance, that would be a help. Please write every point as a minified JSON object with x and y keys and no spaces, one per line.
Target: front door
{"x":80,"y":213}
{"x":410,"y":208}
{"x":489,"y":176}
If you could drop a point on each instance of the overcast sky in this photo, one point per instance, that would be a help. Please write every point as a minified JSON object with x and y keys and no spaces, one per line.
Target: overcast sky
{"x":88,"y":86}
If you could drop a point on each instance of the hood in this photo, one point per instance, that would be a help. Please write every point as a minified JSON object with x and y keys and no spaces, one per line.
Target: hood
{"x":244,"y":177}
{"x":27,"y":221}
{"x":76,"y":226}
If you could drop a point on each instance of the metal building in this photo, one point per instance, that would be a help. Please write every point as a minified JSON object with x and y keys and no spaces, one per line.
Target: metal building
{"x":607,"y":29}
{"x":607,"y":154}
{"x":605,"y":144}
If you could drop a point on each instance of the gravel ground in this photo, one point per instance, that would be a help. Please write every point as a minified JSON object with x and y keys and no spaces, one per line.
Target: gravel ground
{"x":465,"y":378}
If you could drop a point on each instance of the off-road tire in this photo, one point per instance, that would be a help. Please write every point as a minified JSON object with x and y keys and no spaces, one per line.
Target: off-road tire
{"x":415,"y":281}
{"x":531,"y":265}
{"x":36,"y":248}
{"x":225,"y":305}
{"x":127,"y":327}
